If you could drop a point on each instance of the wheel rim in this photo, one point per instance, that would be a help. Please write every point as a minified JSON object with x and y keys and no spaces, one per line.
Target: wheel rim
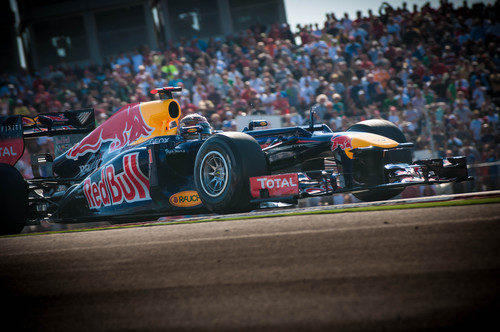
{"x":213,"y":173}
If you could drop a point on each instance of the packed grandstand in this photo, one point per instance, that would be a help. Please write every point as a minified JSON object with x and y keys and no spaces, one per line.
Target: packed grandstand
{"x":432,"y":71}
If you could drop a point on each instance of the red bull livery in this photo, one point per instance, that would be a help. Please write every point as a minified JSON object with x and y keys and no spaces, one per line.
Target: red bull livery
{"x":146,"y":161}
{"x":123,"y":128}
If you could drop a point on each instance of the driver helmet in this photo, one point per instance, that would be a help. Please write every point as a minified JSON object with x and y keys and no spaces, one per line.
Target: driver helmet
{"x":194,"y":120}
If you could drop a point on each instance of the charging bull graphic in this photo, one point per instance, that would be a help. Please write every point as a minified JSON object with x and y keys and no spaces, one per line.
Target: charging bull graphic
{"x":342,"y":142}
{"x":124,"y":127}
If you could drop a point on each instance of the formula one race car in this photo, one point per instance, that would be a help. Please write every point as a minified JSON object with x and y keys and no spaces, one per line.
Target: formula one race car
{"x":143,"y":163}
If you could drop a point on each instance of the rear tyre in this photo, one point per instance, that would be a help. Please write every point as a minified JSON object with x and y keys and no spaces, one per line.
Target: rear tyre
{"x":223,"y":166}
{"x":13,"y":200}
{"x":390,"y":130}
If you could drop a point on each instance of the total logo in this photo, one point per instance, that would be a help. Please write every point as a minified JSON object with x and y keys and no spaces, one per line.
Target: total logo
{"x":111,"y":188}
{"x":11,"y":150}
{"x":185,"y":199}
{"x":270,"y":183}
{"x":276,"y":185}
{"x":7,"y":151}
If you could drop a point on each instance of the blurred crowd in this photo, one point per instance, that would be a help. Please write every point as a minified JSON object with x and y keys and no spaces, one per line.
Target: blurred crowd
{"x":432,"y":71}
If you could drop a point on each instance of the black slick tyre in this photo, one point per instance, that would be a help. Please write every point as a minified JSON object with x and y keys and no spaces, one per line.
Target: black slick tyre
{"x":13,"y":200}
{"x":380,"y":127}
{"x":223,"y":166}
{"x":390,"y":130}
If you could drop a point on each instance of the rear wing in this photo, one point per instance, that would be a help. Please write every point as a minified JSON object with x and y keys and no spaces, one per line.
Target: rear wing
{"x":59,"y":123}
{"x":15,"y":128}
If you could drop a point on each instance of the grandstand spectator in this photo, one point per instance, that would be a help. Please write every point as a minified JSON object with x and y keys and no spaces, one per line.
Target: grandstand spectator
{"x":400,"y":65}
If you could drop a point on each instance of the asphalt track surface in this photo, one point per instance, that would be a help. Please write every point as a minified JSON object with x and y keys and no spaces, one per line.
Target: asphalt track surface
{"x":397,"y":270}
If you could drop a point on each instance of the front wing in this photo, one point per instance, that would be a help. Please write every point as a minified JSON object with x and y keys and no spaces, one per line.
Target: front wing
{"x":293,"y":186}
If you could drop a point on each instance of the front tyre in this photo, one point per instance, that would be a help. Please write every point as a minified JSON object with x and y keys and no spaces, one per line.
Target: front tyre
{"x":223,"y":167}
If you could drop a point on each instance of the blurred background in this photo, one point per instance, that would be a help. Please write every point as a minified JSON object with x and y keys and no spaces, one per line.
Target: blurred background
{"x":429,"y":67}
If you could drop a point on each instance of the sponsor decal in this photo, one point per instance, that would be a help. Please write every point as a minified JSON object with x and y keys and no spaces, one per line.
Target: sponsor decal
{"x":185,"y":199}
{"x":56,"y":118}
{"x":112,"y":189}
{"x":123,"y":128}
{"x":28,"y":121}
{"x":276,"y":185}
{"x":10,"y":151}
{"x":174,"y":151}
{"x":7,"y":151}
{"x":342,"y":142}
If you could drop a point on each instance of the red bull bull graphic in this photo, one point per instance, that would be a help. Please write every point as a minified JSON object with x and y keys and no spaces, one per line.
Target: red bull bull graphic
{"x":123,"y":128}
{"x":110,"y":188}
{"x":342,"y":142}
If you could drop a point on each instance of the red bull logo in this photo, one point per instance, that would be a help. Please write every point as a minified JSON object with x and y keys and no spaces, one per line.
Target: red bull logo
{"x":124,"y":127}
{"x":111,"y":188}
{"x":342,"y":142}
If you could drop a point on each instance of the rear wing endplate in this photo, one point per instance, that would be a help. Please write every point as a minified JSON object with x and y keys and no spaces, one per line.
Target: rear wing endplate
{"x":15,"y":128}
